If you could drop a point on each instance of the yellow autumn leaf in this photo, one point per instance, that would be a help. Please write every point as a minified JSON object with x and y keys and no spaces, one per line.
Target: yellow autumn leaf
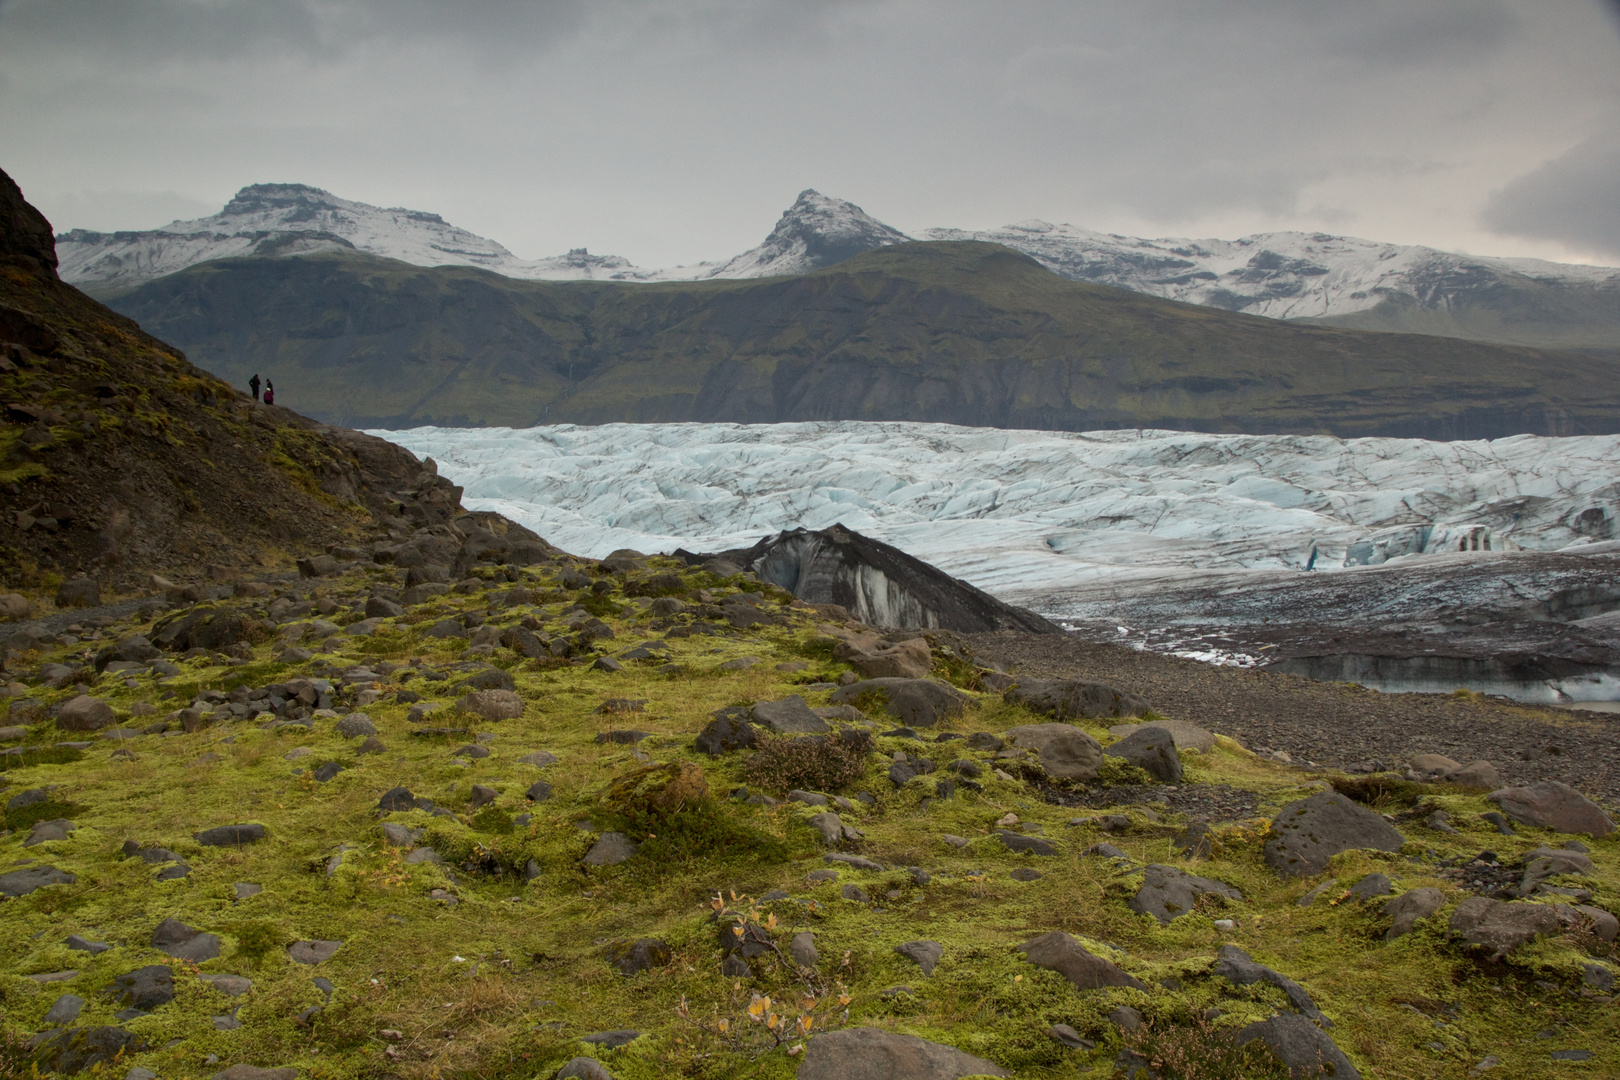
{"x":724,"y":1025}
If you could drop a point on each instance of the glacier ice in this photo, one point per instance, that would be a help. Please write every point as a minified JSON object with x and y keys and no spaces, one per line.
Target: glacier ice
{"x":1034,"y":517}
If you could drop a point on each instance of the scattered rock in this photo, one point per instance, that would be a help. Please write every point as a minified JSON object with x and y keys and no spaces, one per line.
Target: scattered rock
{"x":1409,"y":908}
{"x":229,"y":985}
{"x":788,"y":716}
{"x":539,"y":759}
{"x":46,"y":832}
{"x":24,"y":881}
{"x":855,"y":893}
{"x":231,"y":835}
{"x":917,"y":702}
{"x":1309,"y":832}
{"x":1061,"y":953}
{"x":735,"y":967}
{"x":1544,"y":863}
{"x":1234,"y":964}
{"x":584,"y":1068}
{"x":1300,"y":1045}
{"x":399,"y":798}
{"x":79,"y":944}
{"x":1152,"y":748}
{"x":611,"y":849}
{"x":803,"y":949}
{"x":481,"y":795}
{"x":611,"y":1040}
{"x":1069,"y":1037}
{"x":1480,"y":774}
{"x":1431,"y":766}
{"x":373,"y":745}
{"x":144,"y":988}
{"x":1032,"y":844}
{"x":830,"y":826}
{"x":1552,"y":805}
{"x":1371,"y":887}
{"x":85,"y":713}
{"x":1075,"y":699}
{"x":1502,"y":926}
{"x":1186,"y":736}
{"x":184,"y":942}
{"x":1065,"y":751}
{"x":355,"y":725}
{"x":539,"y":791}
{"x":925,"y":954}
{"x":871,"y":1054}
{"x":497,"y":704}
{"x":1167,"y":892}
{"x":875,"y":660}
{"x":642,"y":954}
{"x":312,"y":952}
{"x":64,"y":1010}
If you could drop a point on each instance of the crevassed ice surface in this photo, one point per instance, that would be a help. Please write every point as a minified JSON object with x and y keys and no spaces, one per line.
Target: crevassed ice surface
{"x":1024,"y":513}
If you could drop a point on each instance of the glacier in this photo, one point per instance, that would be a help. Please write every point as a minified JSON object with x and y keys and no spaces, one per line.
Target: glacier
{"x":1049,"y":520}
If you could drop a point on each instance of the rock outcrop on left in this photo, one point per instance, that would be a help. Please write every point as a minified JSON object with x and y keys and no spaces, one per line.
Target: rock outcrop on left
{"x":119,"y":459}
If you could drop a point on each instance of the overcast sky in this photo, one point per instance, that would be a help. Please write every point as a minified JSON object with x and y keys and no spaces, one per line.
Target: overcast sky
{"x":670,"y":132}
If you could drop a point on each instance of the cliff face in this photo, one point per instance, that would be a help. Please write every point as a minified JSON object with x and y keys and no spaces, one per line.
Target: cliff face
{"x":118,"y":458}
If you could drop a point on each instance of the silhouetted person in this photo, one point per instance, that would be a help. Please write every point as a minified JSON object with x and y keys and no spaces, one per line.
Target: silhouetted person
{"x":253,"y":385}
{"x":269,"y":392}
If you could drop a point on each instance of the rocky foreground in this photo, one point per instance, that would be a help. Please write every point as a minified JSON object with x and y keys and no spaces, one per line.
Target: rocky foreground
{"x":550,"y":816}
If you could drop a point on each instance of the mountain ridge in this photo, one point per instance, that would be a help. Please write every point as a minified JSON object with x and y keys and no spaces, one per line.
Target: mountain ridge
{"x":958,"y":332}
{"x":1321,"y":277}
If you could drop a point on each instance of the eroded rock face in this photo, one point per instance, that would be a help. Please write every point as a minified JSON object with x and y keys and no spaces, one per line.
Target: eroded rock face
{"x":1501,"y":926}
{"x":1552,"y":805}
{"x":1065,"y":751}
{"x":1309,"y":832}
{"x":1076,"y":699}
{"x":870,"y":1054}
{"x":1061,"y":953}
{"x":1168,"y":892}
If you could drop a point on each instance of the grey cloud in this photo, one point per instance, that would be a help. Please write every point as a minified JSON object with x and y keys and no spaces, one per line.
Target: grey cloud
{"x":1574,"y":199}
{"x":672,"y":130}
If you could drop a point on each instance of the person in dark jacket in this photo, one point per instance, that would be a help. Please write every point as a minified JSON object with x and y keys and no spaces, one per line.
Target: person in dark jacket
{"x":269,"y":392}
{"x":253,"y":385}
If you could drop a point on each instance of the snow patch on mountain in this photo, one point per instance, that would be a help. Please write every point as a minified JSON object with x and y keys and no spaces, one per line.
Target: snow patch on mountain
{"x":1281,"y":275}
{"x":1032,"y":515}
{"x":814,"y":232}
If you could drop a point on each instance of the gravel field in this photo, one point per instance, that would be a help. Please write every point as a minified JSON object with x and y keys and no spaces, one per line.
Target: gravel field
{"x":1336,"y":724}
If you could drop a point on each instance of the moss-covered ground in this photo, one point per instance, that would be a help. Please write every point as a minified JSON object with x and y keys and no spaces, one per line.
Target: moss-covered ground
{"x":450,"y":971}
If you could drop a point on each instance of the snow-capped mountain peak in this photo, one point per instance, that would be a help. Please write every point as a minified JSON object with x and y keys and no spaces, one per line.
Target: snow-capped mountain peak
{"x":815,"y":231}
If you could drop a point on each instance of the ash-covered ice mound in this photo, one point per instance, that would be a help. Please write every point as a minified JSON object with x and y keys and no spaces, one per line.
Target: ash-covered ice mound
{"x":878,"y":584}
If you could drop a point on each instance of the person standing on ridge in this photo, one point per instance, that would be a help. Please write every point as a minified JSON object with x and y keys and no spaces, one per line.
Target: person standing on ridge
{"x":253,"y":385}
{"x":269,"y":392}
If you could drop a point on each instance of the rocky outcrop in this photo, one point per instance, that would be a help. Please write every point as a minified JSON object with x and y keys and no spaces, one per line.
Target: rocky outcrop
{"x":875,"y":582}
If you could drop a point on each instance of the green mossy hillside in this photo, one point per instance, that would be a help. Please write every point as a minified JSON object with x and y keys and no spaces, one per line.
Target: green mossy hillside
{"x":482,"y":946}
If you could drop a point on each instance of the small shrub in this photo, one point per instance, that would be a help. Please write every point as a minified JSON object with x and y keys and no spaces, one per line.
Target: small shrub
{"x":256,"y":940}
{"x":702,"y":835}
{"x":597,"y":604}
{"x":810,"y":764}
{"x":493,"y":820}
{"x":1114,"y":771}
{"x":1379,"y":792}
{"x":24,"y":817}
{"x":1196,"y":1050}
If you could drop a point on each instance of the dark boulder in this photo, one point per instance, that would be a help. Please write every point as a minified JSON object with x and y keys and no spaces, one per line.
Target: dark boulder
{"x":77,"y":1049}
{"x":1309,"y":832}
{"x":1075,"y":699}
{"x":144,"y":988}
{"x":917,"y":702}
{"x":1152,"y":749}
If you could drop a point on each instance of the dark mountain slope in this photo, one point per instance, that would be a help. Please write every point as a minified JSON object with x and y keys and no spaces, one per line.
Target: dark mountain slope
{"x":119,"y":458}
{"x":960,"y":332}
